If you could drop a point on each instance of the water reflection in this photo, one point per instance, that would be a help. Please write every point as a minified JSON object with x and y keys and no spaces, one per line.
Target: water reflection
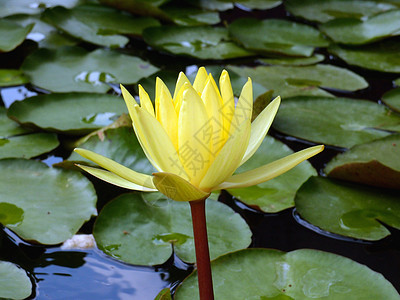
{"x":15,"y":93}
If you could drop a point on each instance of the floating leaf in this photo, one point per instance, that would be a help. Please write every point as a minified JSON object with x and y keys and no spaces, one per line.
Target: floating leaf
{"x":294,"y":61}
{"x":12,"y":35}
{"x":14,"y":282}
{"x":348,"y":209}
{"x":397,"y":82}
{"x":145,"y":232}
{"x":213,"y":4}
{"x":164,"y":294}
{"x":97,"y":24}
{"x":376,"y":163}
{"x":381,"y":56}
{"x":10,"y":213}
{"x":200,"y":42}
{"x":55,"y":202}
{"x":191,"y":16}
{"x":70,"y":113}
{"x":276,"y":194}
{"x":323,"y":11}
{"x":139,"y":7}
{"x":356,"y":32}
{"x":299,"y":274}
{"x":31,"y":7}
{"x":258,"y":4}
{"x":339,"y":122}
{"x":9,"y":77}
{"x":73,"y":69}
{"x":392,"y":99}
{"x":277,"y":36}
{"x":289,"y":81}
{"x":7,"y":126}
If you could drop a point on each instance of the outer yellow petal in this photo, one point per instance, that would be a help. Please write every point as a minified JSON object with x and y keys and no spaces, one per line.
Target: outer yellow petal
{"x":177,"y":188}
{"x":200,"y":80}
{"x":182,"y":79}
{"x":160,"y":89}
{"x":129,"y":100}
{"x":120,"y":170}
{"x":156,"y":143}
{"x":193,"y":138}
{"x":270,"y":170}
{"x":228,"y":159}
{"x":167,"y":116}
{"x":145,"y":101}
{"x":244,"y":107}
{"x":115,"y":179}
{"x":260,"y":127}
{"x":228,"y":106}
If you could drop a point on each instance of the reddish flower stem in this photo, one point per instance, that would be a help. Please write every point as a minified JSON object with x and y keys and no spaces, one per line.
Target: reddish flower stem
{"x":198,"y":209}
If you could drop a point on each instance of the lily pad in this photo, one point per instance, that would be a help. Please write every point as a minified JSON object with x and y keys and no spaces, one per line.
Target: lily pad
{"x":139,"y":7}
{"x":97,"y":24}
{"x":55,"y":202}
{"x":276,"y":194}
{"x":397,"y":82}
{"x":299,"y":274}
{"x":9,"y":77}
{"x":277,"y":36}
{"x":70,"y":113}
{"x":73,"y":69}
{"x":340,"y":122}
{"x":191,"y":16}
{"x":376,"y":163}
{"x":381,"y":56}
{"x":31,"y":7}
{"x":348,"y":209}
{"x":12,"y":34}
{"x":357,"y":32}
{"x":294,"y":61}
{"x":10,"y":213}
{"x":392,"y":99}
{"x":142,"y":232}
{"x":14,"y":282}
{"x":323,"y":11}
{"x":7,"y":126}
{"x":258,"y":4}
{"x":289,"y":81}
{"x":201,"y":42}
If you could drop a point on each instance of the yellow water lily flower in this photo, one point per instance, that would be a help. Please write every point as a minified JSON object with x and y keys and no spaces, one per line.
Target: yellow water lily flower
{"x":196,"y":139}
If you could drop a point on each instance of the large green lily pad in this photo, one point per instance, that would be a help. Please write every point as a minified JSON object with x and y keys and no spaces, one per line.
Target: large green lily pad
{"x":200,"y":42}
{"x":258,"y":4}
{"x":276,"y":194}
{"x":97,"y":24}
{"x":7,"y":126}
{"x":381,"y":56}
{"x":70,"y":113}
{"x":12,"y":34}
{"x":277,"y":36}
{"x":376,"y":163}
{"x":289,"y":81}
{"x":31,"y":7}
{"x":73,"y":69}
{"x":356,"y":32}
{"x":392,"y":99}
{"x":142,"y":232}
{"x":55,"y":202}
{"x":326,"y":10}
{"x":9,"y":77}
{"x":339,"y":122}
{"x":191,"y":16}
{"x":348,"y":209}
{"x":294,"y":61}
{"x":14,"y":282}
{"x":301,"y":274}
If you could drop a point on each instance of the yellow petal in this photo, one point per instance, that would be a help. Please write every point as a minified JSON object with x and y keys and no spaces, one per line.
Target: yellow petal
{"x":156,"y":143}
{"x":228,"y":159}
{"x":182,"y":79}
{"x":228,"y":106}
{"x":193,"y":138}
{"x":200,"y":80}
{"x":118,"y":169}
{"x":270,"y":170}
{"x":260,"y":127}
{"x":167,"y":116}
{"x":129,"y":100}
{"x":145,"y":101}
{"x":177,"y":188}
{"x":115,"y":179}
{"x":244,"y":107}
{"x":160,"y":89}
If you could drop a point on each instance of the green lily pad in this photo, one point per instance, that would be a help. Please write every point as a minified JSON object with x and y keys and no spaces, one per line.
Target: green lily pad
{"x":97,"y":24}
{"x":73,"y":69}
{"x":323,"y":11}
{"x":12,"y":34}
{"x":55,"y":202}
{"x":140,"y":7}
{"x":201,"y":42}
{"x":357,"y":32}
{"x":276,"y":194}
{"x":381,"y":56}
{"x":7,"y":126}
{"x":14,"y":282}
{"x":259,"y":4}
{"x":214,"y":5}
{"x":10,"y":213}
{"x":142,"y":232}
{"x":299,"y":274}
{"x":9,"y":77}
{"x":164,"y":294}
{"x":354,"y":210}
{"x":339,"y":122}
{"x":191,"y":16}
{"x":392,"y":99}
{"x":289,"y":81}
{"x":376,"y":163}
{"x":277,"y":36}
{"x":397,"y":82}
{"x":70,"y":113}
{"x":29,"y":7}
{"x":294,"y":61}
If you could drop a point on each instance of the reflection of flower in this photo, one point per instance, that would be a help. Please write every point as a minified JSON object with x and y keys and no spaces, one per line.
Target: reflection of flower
{"x":196,"y":139}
